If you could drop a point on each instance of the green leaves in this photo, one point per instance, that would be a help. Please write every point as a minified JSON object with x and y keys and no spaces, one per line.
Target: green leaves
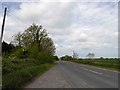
{"x":17,"y":79}
{"x":66,"y":58}
{"x":34,"y":39}
{"x":32,"y":55}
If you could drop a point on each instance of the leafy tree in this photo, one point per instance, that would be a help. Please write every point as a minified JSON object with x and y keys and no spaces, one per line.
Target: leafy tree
{"x":35,"y":34}
{"x":66,"y":58}
{"x":56,"y":58}
{"x":18,"y":39}
{"x":34,"y":40}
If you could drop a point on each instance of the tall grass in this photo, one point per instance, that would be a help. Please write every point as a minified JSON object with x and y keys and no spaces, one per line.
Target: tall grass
{"x":108,"y":64}
{"x":13,"y":65}
{"x":16,"y":80}
{"x":17,"y":72}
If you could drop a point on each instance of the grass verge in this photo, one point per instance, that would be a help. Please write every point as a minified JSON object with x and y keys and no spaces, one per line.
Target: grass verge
{"x":16,"y":80}
{"x":107,"y":64}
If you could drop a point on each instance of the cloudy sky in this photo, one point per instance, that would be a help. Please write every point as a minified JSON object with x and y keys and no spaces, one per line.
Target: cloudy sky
{"x":84,"y":26}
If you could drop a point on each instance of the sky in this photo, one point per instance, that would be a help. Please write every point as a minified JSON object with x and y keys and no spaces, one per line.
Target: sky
{"x":86,"y":26}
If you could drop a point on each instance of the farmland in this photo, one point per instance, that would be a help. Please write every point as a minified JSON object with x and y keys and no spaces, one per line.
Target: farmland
{"x":108,"y":63}
{"x":113,"y":64}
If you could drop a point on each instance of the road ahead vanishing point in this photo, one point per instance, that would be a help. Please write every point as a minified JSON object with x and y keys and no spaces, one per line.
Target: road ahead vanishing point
{"x":71,"y":75}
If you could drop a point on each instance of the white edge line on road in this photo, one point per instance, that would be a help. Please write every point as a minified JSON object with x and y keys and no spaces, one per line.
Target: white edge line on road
{"x":91,"y":71}
{"x":94,"y":67}
{"x":99,"y":68}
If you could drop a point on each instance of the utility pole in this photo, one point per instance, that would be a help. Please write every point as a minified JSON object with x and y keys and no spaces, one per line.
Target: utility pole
{"x":75,"y":55}
{"x":3,"y":24}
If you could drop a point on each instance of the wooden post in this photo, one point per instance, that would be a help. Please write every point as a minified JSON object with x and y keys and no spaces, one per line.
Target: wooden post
{"x":3,"y":24}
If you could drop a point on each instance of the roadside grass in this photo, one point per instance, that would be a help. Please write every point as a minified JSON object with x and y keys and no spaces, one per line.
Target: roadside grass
{"x":107,"y":64}
{"x":13,"y":65}
{"x":16,"y":73}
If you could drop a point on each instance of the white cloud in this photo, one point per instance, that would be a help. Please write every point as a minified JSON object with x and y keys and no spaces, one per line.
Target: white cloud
{"x":72,"y":26}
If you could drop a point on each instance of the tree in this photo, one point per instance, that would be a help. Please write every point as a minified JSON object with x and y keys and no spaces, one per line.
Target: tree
{"x":75,"y":55}
{"x":56,"y":58}
{"x":47,"y":45}
{"x":90,"y":55}
{"x":18,"y":40}
{"x":66,"y":58}
{"x":35,"y":39}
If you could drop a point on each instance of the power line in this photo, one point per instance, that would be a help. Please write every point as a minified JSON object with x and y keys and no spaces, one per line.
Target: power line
{"x":17,"y":18}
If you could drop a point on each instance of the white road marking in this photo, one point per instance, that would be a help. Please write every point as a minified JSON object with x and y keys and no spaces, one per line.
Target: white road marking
{"x":100,"y":68}
{"x":91,"y":71}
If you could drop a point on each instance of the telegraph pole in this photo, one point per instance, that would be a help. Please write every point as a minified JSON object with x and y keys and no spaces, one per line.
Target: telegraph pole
{"x":3,"y":24}
{"x":73,"y":54}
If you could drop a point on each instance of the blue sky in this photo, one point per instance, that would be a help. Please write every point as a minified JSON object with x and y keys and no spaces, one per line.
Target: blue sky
{"x":82,"y":27}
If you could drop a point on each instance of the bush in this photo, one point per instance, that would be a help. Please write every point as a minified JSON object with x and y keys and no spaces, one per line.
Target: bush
{"x":42,"y":58}
{"x":11,"y":65}
{"x":16,"y":79}
{"x":56,"y":58}
{"x":67,"y":58}
{"x":20,"y":53}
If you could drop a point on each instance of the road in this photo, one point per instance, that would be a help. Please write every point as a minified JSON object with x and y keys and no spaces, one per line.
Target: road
{"x":71,"y":75}
{"x":82,"y":76}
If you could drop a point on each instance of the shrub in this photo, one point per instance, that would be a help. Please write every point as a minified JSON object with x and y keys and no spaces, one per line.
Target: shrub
{"x":16,"y":79}
{"x":44,"y":58}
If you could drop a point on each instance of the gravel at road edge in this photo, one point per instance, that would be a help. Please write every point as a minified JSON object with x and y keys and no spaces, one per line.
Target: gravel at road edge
{"x":53,"y":78}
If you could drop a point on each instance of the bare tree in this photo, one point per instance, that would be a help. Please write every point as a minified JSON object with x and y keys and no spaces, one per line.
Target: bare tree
{"x":75,"y":55}
{"x":90,"y":55}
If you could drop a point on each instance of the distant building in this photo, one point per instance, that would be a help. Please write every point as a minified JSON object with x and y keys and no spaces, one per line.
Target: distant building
{"x":7,"y":48}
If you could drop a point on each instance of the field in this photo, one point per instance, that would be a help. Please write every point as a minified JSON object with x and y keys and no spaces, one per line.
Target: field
{"x":112,"y":64}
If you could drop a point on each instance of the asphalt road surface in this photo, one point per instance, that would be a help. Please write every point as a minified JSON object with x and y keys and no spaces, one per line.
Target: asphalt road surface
{"x":82,"y":76}
{"x":71,"y":75}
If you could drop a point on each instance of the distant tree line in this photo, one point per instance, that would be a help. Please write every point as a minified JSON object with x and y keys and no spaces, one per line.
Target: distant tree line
{"x":69,"y":58}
